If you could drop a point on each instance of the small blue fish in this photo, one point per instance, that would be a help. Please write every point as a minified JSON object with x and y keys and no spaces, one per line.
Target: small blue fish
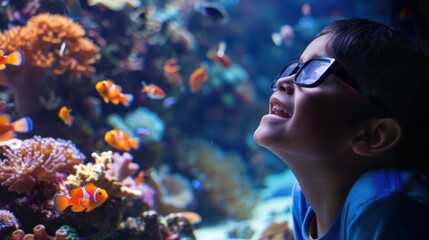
{"x":169,"y":102}
{"x":142,"y":131}
{"x":73,"y":9}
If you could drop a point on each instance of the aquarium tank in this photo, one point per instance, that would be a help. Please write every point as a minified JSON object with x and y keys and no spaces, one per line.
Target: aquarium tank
{"x":134,"y":119}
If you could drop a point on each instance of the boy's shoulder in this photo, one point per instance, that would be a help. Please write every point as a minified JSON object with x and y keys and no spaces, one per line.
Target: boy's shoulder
{"x":380,"y":184}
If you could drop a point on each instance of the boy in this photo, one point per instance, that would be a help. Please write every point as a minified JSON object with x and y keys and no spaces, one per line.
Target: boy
{"x":347,"y":118}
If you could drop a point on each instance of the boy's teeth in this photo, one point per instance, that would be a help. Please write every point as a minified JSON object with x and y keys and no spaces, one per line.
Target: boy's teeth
{"x":280,"y":111}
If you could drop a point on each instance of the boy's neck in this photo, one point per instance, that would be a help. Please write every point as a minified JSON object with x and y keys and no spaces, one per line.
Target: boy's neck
{"x":326,"y":191}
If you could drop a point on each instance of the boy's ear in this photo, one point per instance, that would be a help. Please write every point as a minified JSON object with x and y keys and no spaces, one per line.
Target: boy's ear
{"x":376,"y":137}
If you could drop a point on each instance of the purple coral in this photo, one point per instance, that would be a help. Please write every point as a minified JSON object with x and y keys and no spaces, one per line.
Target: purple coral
{"x":8,"y":223}
{"x":122,"y":167}
{"x":38,"y":160}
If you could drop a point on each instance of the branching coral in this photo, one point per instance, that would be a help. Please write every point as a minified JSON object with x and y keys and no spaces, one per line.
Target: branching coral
{"x":38,"y":160}
{"x":40,"y":40}
{"x":98,"y":173}
{"x":122,"y":167}
{"x":223,"y":175}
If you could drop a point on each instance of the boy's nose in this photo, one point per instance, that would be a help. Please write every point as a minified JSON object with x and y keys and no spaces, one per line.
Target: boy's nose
{"x":286,"y":84}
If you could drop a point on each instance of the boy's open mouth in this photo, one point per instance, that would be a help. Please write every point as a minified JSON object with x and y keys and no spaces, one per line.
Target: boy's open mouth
{"x":279,"y":110}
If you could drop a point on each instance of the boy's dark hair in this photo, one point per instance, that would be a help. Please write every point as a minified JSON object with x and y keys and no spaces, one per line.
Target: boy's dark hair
{"x":393,"y":67}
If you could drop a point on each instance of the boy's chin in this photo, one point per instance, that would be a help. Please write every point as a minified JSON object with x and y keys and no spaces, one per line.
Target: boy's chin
{"x":261,"y":136}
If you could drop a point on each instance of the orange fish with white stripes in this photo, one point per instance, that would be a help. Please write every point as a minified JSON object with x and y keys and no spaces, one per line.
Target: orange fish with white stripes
{"x":153,"y":91}
{"x":120,"y":140}
{"x":8,"y":128}
{"x":110,"y":92}
{"x":15,"y":58}
{"x":81,"y":199}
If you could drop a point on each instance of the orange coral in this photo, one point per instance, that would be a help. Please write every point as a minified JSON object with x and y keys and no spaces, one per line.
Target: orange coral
{"x":41,"y":40}
{"x":38,"y":160}
{"x":39,"y":232}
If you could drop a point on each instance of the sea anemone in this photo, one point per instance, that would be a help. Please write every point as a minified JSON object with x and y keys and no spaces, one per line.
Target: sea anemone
{"x":38,"y":160}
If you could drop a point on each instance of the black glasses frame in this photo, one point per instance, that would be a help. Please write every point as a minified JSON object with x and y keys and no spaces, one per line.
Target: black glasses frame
{"x":334,"y":68}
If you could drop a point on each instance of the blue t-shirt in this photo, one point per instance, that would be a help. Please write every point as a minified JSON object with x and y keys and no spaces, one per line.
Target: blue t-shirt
{"x":382,"y":204}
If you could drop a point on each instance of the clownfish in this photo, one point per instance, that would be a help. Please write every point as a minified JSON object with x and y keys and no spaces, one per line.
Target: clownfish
{"x":64,"y":114}
{"x":81,"y":199}
{"x":197,"y":78}
{"x":111,"y":92}
{"x":219,"y":56}
{"x":153,"y":91}
{"x":8,"y":129}
{"x":120,"y":140}
{"x":15,"y":58}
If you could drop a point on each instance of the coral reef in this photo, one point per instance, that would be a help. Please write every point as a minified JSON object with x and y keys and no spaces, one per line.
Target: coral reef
{"x":8,"y":223}
{"x":98,"y":173}
{"x":174,"y":192}
{"x":38,"y":161}
{"x":41,"y":40}
{"x":223,"y":176}
{"x":241,"y":231}
{"x":277,"y":231}
{"x":151,"y":226}
{"x":39,"y":233}
{"x":122,"y":167}
{"x":141,"y":119}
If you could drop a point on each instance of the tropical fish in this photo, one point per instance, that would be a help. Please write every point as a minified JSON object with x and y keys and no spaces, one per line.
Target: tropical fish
{"x":120,"y":140}
{"x":111,"y":92}
{"x":211,"y":10}
{"x":219,"y":55}
{"x":153,"y":91}
{"x":171,"y":71}
{"x":8,"y":129}
{"x":169,"y":102}
{"x":64,"y":114}
{"x":192,"y":217}
{"x":73,"y":9}
{"x":197,"y":78}
{"x":285,"y":36}
{"x":81,"y":199}
{"x":139,"y":179}
{"x":142,"y":131}
{"x":115,"y":5}
{"x":63,"y":49}
{"x":15,"y":58}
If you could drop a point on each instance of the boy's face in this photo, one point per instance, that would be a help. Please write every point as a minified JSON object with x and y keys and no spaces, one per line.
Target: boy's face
{"x":308,"y":122}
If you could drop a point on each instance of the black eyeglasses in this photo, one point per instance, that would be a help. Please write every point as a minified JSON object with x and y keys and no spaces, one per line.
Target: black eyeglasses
{"x":313,"y":72}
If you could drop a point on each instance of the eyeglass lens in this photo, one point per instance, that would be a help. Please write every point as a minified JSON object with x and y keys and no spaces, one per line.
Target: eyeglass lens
{"x":311,"y":72}
{"x":307,"y":74}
